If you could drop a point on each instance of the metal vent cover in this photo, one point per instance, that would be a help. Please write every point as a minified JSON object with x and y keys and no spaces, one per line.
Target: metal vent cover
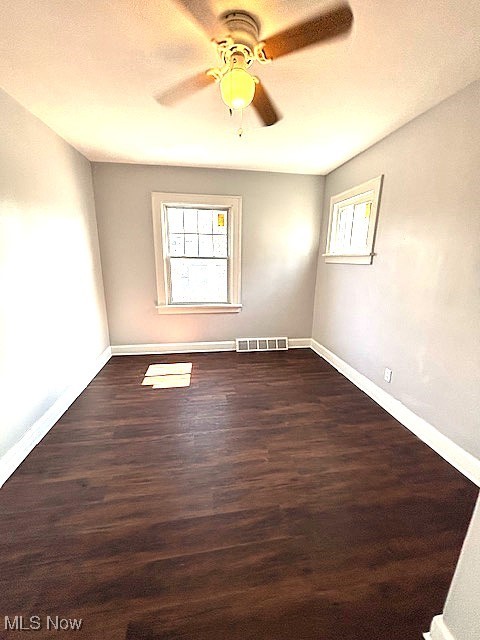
{"x":245,"y":345}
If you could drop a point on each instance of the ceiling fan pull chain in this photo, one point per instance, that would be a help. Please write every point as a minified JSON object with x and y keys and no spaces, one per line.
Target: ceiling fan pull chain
{"x":240,"y":129}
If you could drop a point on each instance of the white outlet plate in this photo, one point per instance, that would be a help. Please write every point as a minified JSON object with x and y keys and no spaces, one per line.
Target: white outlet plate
{"x":387,"y":376}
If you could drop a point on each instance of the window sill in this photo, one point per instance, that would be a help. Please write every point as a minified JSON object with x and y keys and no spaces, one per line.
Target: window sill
{"x":349,"y":258}
{"x":197,"y":308}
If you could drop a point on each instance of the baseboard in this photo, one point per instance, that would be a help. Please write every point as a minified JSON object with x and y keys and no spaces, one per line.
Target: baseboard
{"x":299,"y":343}
{"x":451,"y":452}
{"x":439,"y":630}
{"x":14,"y":457}
{"x":171,"y":347}
{"x":191,"y":347}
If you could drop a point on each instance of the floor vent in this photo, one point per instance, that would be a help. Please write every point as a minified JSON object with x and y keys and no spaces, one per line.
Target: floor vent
{"x":261,"y":344}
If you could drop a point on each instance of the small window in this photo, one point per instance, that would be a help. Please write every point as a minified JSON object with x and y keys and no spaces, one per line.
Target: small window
{"x":197,"y":252}
{"x":352,"y":222}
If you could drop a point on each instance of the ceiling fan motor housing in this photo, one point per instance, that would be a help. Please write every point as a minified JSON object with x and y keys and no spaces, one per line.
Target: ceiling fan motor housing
{"x":242,"y":27}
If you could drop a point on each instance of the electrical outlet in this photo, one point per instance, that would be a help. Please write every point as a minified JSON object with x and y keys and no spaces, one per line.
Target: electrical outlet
{"x":387,"y":376}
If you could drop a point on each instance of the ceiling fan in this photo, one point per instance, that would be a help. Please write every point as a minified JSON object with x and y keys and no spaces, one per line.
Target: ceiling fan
{"x":241,"y":47}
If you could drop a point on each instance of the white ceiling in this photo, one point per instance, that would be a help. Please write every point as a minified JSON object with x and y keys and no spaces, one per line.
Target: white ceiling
{"x":89,"y":69}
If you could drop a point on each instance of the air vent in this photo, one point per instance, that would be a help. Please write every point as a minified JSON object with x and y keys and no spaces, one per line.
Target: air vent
{"x":261,"y":344}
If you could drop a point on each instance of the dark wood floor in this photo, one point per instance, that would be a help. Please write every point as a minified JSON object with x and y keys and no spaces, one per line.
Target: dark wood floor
{"x":270,"y":500}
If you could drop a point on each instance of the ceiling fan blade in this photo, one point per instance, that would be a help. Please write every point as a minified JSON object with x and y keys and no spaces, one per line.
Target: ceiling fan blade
{"x":318,"y":29}
{"x":184,"y":89}
{"x":201,"y":13}
{"x":264,"y":106}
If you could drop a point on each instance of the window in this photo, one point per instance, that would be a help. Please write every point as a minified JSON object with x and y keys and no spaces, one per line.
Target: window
{"x":197,"y":252}
{"x":352,"y":222}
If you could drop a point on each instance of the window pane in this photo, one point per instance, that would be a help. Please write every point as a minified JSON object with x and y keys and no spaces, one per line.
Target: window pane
{"x":205,"y":219}
{"x":197,"y":280}
{"x":175,"y":244}
{"x":205,"y":246}
{"x":220,"y":222}
{"x":190,"y":220}
{"x":361,"y":221}
{"x":220,"y":246}
{"x":344,"y":229}
{"x":191,"y":244}
{"x":175,"y":220}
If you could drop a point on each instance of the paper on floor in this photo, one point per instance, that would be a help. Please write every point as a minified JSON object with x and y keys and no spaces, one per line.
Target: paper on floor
{"x":168,"y":382}
{"x":169,"y":369}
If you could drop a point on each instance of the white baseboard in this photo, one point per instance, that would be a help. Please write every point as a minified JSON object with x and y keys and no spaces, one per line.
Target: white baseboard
{"x":14,"y":457}
{"x":439,"y":630}
{"x":191,"y":347}
{"x":171,"y":347}
{"x":299,"y":343}
{"x":451,"y":452}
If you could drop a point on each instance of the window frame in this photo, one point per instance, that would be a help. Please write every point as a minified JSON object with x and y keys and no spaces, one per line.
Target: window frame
{"x":355,"y":195}
{"x":233,"y":205}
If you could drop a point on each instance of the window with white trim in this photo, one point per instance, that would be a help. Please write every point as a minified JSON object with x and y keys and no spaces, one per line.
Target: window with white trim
{"x":352,"y":224}
{"x":197,"y":252}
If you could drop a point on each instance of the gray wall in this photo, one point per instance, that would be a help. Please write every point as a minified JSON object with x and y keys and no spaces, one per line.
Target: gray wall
{"x":281,"y":216}
{"x":417,"y":308}
{"x":462,"y":611}
{"x":52,"y":312}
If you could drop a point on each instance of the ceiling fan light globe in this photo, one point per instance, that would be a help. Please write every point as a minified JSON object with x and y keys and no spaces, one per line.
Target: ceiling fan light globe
{"x":237,"y":88}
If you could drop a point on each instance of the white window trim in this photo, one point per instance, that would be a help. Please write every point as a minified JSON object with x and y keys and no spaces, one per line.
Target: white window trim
{"x":160,"y":202}
{"x":353,"y":196}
